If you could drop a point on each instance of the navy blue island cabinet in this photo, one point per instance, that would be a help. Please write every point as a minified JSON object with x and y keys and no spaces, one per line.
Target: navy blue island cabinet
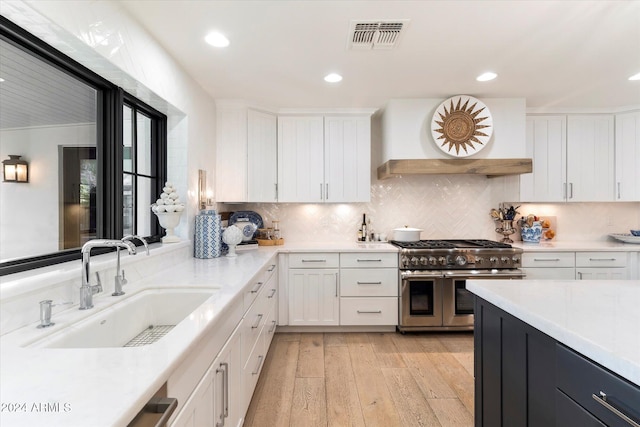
{"x":525,"y":378}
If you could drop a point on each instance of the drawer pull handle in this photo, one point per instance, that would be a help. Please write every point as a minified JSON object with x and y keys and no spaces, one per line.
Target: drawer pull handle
{"x":369,"y":312}
{"x":369,"y":260}
{"x":273,"y":326}
{"x":258,"y":320}
{"x":314,"y":260}
{"x":256,"y":288}
{"x":546,"y":259}
{"x":273,"y":292}
{"x":602,"y":259}
{"x":260,"y":359}
{"x":369,"y":283}
{"x":602,"y":399}
{"x":273,"y":267}
{"x":161,"y":405}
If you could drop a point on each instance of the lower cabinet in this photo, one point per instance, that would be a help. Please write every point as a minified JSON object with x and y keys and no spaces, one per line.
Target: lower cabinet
{"x":217,"y":397}
{"x":576,"y":265}
{"x":523,"y":377}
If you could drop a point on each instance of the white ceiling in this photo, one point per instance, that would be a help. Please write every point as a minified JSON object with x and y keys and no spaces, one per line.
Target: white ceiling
{"x":556,"y":54}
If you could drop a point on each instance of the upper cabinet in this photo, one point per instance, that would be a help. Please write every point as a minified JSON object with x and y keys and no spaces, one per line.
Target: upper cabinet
{"x":324,"y":159}
{"x":628,"y":156}
{"x":246,"y":154}
{"x":573,"y":159}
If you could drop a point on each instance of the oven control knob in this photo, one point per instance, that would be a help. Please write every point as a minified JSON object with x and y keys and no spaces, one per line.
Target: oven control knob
{"x":506,"y":260}
{"x":515,"y":260}
{"x":424,"y":260}
{"x":404,"y":260}
{"x":461,"y":260}
{"x":415,"y":261}
{"x":442,"y":260}
{"x":433,"y":261}
{"x":493,"y":259}
{"x":479,"y":260}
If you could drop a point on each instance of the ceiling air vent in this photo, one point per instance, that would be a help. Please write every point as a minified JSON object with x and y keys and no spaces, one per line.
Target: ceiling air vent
{"x":376,"y":34}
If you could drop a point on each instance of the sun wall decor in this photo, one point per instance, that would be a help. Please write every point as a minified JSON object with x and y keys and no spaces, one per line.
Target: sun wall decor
{"x":461,"y":126}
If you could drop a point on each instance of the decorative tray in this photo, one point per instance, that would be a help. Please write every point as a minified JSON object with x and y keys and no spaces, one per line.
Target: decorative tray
{"x":627,"y":238}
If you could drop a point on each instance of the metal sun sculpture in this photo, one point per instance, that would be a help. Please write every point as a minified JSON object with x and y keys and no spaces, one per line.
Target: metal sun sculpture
{"x":462,"y":125}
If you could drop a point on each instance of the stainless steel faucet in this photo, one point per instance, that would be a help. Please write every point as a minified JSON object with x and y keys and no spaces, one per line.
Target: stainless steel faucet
{"x":86,"y":290}
{"x":119,"y":279}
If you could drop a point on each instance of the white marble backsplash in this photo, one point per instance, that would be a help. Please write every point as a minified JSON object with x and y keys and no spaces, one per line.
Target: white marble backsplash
{"x":444,"y":206}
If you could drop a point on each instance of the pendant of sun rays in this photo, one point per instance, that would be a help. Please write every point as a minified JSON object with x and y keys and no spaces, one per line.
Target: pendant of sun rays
{"x":461,"y":126}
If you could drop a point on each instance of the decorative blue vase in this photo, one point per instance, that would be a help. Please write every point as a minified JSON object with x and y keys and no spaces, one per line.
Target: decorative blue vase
{"x":207,"y":239}
{"x":531,"y":234}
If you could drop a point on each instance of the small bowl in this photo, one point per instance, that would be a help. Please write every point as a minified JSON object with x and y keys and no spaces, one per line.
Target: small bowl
{"x":635,"y":233}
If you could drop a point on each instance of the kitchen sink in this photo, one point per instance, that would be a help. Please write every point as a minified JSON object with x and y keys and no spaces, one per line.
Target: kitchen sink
{"x":141,"y":319}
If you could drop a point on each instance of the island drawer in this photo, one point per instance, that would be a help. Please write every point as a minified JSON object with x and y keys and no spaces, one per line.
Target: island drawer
{"x":548,"y":259}
{"x":584,"y":381}
{"x":369,"y":259}
{"x":601,"y":259}
{"x":314,"y":260}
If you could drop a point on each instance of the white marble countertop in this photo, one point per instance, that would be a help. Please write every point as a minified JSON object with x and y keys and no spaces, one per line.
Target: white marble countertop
{"x":599,"y":319}
{"x":107,"y":386}
{"x":578,"y":246}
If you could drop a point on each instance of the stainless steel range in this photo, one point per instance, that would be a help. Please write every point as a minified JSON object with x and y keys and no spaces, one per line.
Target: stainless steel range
{"x":433,"y":274}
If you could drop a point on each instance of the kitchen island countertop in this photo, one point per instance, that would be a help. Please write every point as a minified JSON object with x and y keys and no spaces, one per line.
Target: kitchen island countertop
{"x":599,"y":319}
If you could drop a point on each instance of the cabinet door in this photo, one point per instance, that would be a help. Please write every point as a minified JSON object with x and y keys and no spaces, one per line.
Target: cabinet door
{"x":547,"y":145}
{"x":231,"y":153}
{"x":228,"y":384}
{"x":347,"y":168}
{"x":601,"y":273}
{"x":262,"y":173}
{"x":313,"y":297}
{"x":590,"y":158}
{"x":301,"y":159}
{"x":628,"y":156}
{"x":199,"y":409}
{"x":549,"y":273}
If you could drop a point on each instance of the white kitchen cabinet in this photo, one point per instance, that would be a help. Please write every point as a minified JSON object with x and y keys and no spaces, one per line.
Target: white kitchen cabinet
{"x":246,"y":154}
{"x":627,"y":157}
{"x":313,"y":289}
{"x":324,"y":159}
{"x":216,"y":399}
{"x":549,"y":265}
{"x":573,"y":159}
{"x":546,"y":144}
{"x":368,"y":288}
{"x":601,"y":265}
{"x":590,"y":158}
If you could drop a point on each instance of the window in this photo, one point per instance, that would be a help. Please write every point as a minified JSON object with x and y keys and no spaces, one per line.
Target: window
{"x":97,"y":155}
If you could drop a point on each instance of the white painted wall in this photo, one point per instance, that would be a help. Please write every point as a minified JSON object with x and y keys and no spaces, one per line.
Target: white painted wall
{"x":406,"y":129}
{"x":29,"y":213}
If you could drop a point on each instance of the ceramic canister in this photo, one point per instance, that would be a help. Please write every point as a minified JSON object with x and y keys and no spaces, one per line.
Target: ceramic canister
{"x":207,"y":239}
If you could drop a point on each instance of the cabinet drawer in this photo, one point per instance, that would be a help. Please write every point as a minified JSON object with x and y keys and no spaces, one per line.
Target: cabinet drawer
{"x":549,"y":273}
{"x":252,"y":324}
{"x":314,"y":260}
{"x":269,"y":328}
{"x":369,"y":259}
{"x":601,"y":259}
{"x":257,"y":284}
{"x":369,"y":282}
{"x":369,"y":311}
{"x":579,"y":378}
{"x":251,"y":372}
{"x":548,"y":259}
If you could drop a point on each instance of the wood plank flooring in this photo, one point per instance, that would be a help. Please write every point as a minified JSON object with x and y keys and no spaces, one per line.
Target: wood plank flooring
{"x":365,"y":380}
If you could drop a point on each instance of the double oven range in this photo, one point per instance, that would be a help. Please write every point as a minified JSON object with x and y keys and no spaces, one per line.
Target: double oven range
{"x":433,"y":274}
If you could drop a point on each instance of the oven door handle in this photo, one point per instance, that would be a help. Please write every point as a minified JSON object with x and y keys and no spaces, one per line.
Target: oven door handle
{"x":420,"y":275}
{"x":470,"y":275}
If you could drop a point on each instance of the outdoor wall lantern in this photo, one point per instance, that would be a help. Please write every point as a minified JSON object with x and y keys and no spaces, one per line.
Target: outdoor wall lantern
{"x":15,"y":169}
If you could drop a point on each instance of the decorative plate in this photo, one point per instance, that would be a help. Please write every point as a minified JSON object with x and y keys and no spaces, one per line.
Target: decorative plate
{"x":252,"y":216}
{"x":461,"y":126}
{"x":627,"y":238}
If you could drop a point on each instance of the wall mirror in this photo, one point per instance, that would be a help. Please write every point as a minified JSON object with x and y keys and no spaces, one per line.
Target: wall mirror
{"x":96,"y":156}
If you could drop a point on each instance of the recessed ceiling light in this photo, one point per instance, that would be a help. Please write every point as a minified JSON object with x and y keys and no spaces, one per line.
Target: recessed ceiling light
{"x":635,"y":77}
{"x":217,"y":39}
{"x":485,"y":77}
{"x":1,"y":79}
{"x":332,"y":78}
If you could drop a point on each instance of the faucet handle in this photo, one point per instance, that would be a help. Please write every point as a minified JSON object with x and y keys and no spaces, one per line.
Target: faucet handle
{"x":142,"y":239}
{"x":98,"y":286}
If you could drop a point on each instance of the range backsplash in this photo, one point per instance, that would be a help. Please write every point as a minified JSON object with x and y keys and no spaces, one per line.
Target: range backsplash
{"x":444,"y":206}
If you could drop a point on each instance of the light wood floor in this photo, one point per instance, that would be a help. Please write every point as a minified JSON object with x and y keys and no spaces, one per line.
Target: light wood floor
{"x":365,"y":379}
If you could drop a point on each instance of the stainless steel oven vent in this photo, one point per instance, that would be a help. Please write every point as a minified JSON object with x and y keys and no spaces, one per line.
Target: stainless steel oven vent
{"x":379,"y":34}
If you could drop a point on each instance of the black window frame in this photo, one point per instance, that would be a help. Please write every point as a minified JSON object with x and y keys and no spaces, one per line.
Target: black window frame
{"x":111,"y":99}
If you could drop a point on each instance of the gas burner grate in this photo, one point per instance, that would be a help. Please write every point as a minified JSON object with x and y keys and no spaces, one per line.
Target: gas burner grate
{"x":451,"y":244}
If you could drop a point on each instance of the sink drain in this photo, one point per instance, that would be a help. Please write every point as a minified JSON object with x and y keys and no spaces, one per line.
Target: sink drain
{"x":149,"y":335}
